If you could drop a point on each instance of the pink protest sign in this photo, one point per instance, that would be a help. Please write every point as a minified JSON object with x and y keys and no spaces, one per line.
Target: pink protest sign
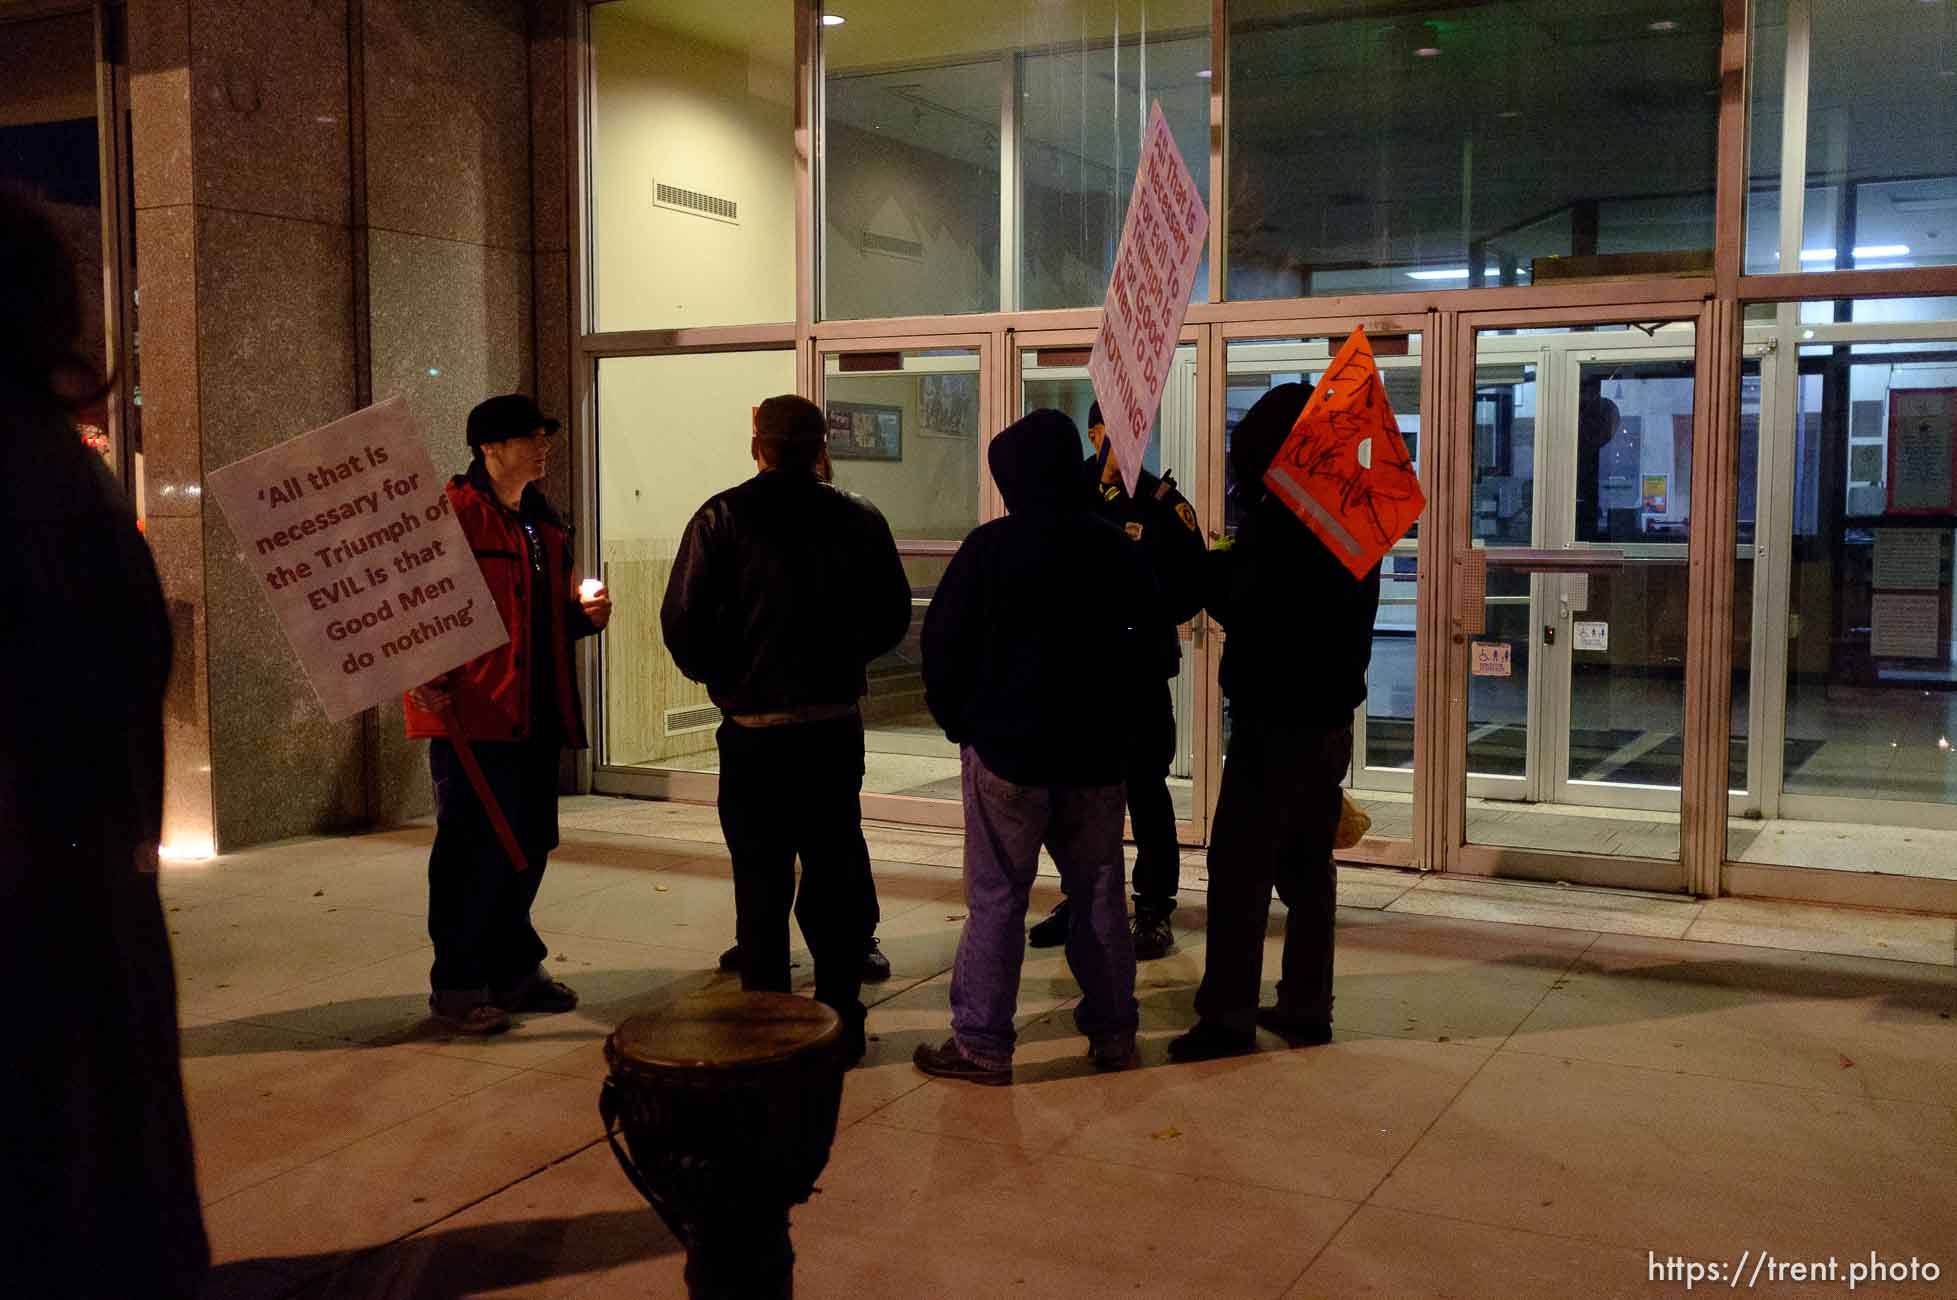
{"x":1148,"y":295}
{"x":350,"y":533}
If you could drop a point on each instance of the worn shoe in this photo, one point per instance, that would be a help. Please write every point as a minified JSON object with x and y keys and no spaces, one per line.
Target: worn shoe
{"x":1051,"y":932}
{"x":947,"y":1062}
{"x":481,"y":1019}
{"x":1154,"y":937}
{"x":1297,"y":1033}
{"x":730,"y":961}
{"x":1209,"y":1040}
{"x":876,"y":966}
{"x":1114,"y":1053}
{"x":539,"y":993}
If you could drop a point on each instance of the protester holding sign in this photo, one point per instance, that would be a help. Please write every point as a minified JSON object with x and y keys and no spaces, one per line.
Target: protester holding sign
{"x":1163,"y":524}
{"x":517,"y":707}
{"x":1300,"y":631}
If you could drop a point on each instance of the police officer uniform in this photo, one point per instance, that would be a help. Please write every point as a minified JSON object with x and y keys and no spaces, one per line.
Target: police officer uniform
{"x":1160,"y":520}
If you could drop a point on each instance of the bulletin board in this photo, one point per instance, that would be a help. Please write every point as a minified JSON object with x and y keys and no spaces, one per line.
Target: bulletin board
{"x":1923,"y":451}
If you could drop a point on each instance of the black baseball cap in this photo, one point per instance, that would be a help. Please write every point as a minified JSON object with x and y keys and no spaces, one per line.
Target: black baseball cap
{"x":512,"y":415}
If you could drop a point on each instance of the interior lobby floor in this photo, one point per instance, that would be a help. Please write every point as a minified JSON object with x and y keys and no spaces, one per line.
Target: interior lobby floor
{"x":1531,"y":1089}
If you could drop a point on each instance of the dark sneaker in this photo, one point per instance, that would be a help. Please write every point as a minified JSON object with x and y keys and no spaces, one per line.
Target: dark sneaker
{"x":1154,"y":937}
{"x":876,"y":966}
{"x":1297,"y":1033}
{"x":947,"y":1062}
{"x":1114,"y":1053}
{"x":482,"y":1019}
{"x":1051,"y":932}
{"x":730,"y":960}
{"x":539,"y":994}
{"x":1209,"y":1040}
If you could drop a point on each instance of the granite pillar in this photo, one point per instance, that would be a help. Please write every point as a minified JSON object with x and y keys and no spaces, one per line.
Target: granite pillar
{"x":335,"y":202}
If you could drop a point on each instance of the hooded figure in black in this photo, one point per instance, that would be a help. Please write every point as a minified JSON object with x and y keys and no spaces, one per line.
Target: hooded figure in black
{"x":1032,"y":608}
{"x":1159,"y":521}
{"x":1300,"y":632}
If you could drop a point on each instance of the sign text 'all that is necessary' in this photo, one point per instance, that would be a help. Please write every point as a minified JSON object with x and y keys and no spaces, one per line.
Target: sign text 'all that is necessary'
{"x":350,"y":533}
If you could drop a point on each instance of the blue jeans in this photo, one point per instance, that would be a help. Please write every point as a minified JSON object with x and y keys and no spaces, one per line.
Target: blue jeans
{"x":1005,"y":825}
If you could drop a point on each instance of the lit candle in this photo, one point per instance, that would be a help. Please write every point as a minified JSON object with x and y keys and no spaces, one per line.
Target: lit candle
{"x":589,"y":589}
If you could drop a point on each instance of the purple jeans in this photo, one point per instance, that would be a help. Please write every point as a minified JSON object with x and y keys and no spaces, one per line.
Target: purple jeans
{"x":1005,"y":825}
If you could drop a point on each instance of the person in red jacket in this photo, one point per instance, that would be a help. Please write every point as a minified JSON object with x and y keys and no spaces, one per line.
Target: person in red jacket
{"x":518,"y":707}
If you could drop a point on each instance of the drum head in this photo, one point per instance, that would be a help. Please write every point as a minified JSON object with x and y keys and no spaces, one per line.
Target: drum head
{"x":724,"y":1031}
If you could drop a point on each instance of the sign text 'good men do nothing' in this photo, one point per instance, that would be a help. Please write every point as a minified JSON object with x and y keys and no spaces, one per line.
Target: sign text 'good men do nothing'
{"x":350,"y":531}
{"x":1148,"y":295}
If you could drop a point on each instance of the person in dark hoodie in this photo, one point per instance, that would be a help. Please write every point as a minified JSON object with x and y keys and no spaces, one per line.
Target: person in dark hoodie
{"x":1032,"y":606}
{"x":784,"y":589}
{"x":518,"y":705}
{"x":1159,"y":520}
{"x":1300,"y":630}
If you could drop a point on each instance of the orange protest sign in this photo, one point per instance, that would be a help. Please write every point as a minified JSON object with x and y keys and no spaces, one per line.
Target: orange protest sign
{"x":1344,"y":469}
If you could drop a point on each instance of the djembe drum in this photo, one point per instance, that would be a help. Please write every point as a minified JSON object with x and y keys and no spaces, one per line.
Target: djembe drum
{"x":727,"y":1103}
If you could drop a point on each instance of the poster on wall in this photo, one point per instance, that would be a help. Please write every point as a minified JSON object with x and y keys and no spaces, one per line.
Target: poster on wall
{"x":351,"y":535}
{"x":1655,"y":491}
{"x":1923,"y":451}
{"x":948,"y":405}
{"x":865,"y":431}
{"x":1148,"y":295}
{"x":1909,"y":558}
{"x":1905,"y":626}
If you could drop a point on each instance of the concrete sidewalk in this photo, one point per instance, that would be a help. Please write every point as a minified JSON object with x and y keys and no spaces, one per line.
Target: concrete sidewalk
{"x":1532,"y":1090}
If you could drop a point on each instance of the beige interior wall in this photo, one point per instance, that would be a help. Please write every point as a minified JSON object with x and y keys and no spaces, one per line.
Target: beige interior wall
{"x":675,"y":109}
{"x":933,"y":490}
{"x":672,"y":431}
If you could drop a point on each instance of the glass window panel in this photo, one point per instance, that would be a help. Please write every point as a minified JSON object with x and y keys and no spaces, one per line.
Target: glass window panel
{"x":1880,"y":112}
{"x":672,"y":431}
{"x":693,"y":163}
{"x":904,"y":433}
{"x":1084,"y":97}
{"x":1463,"y":146}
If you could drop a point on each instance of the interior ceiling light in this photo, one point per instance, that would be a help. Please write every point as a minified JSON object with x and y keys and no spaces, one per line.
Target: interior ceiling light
{"x":1663,"y":25}
{"x":1453,"y":273}
{"x":833,"y":20}
{"x":1428,"y":52}
{"x":1817,"y":254}
{"x":1204,"y":73}
{"x":1881,"y":250}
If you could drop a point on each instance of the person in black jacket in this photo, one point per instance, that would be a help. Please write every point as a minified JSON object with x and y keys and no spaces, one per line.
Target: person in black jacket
{"x":783,"y":590}
{"x":1300,"y":632}
{"x":1031,"y":606}
{"x":1160,"y":520}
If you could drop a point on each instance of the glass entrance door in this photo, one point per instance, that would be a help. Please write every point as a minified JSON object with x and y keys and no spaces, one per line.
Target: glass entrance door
{"x":1052,"y":371}
{"x":1581,"y":497}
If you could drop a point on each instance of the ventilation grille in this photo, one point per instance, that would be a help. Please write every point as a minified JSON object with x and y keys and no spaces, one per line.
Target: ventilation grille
{"x":696,"y":203}
{"x":905,"y":248}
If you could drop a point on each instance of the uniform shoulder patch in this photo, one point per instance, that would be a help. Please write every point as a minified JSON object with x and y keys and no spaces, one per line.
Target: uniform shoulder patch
{"x":1187,"y":515}
{"x":1133,"y":529}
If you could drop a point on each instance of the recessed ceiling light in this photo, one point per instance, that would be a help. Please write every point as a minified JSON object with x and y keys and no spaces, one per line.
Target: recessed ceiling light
{"x":1510,"y":112}
{"x":1428,"y":52}
{"x":833,"y":20}
{"x":1662,"y":25}
{"x":1881,"y":250}
{"x":1204,"y":73}
{"x":1453,"y":273}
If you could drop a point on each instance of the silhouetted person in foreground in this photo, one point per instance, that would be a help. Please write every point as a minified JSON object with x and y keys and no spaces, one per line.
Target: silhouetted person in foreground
{"x":1300,"y":630}
{"x":100,"y":1187}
